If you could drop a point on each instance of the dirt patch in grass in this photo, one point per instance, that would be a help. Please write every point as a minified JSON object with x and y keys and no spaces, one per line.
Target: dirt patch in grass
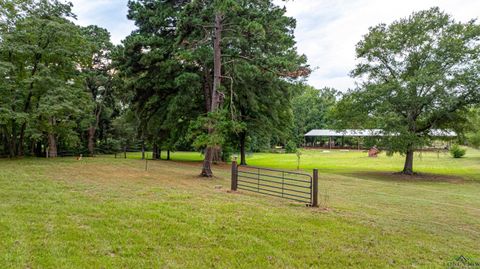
{"x":128,"y":172}
{"x":221,"y":165}
{"x":418,"y":177}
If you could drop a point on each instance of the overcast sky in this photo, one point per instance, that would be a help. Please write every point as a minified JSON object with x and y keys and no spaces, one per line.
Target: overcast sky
{"x":327,"y":30}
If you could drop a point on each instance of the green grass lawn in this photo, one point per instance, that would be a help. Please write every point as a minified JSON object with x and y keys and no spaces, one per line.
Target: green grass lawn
{"x":111,"y":213}
{"x":356,"y":162}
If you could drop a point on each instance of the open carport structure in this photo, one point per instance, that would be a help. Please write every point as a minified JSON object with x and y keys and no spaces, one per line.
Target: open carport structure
{"x":328,"y":138}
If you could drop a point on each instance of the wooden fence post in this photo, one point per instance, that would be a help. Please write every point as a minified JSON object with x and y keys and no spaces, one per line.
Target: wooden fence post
{"x":234,"y":175}
{"x":315,"y":188}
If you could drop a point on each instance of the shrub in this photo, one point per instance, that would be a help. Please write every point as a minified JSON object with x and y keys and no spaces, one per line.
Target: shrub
{"x":457,"y":152}
{"x":474,"y":139}
{"x":291,"y":147}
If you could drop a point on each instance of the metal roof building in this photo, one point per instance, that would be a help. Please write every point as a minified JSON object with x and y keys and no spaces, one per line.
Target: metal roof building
{"x":368,"y":132}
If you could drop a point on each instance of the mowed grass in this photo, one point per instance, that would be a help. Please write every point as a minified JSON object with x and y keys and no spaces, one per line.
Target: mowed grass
{"x":111,"y":213}
{"x":356,"y":162}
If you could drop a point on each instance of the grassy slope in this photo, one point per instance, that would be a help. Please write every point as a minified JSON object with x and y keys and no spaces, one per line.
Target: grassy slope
{"x":111,"y":213}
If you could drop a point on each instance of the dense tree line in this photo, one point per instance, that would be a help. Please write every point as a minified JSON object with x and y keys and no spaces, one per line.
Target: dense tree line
{"x":212,"y":74}
{"x":216,"y":76}
{"x":222,"y":76}
{"x":57,"y":81}
{"x":313,"y":109}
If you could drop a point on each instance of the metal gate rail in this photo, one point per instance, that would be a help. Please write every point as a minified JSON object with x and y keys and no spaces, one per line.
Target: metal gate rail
{"x":299,"y":187}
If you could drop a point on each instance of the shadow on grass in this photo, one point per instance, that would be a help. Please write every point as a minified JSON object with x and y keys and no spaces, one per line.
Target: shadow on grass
{"x":418,"y":177}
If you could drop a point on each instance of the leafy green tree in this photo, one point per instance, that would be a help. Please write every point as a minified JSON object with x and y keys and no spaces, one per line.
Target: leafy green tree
{"x":253,"y":44}
{"x":312,"y":109}
{"x":58,"y":112}
{"x":42,"y":49}
{"x":194,"y":71}
{"x":98,"y":73}
{"x":473,"y":127}
{"x":416,"y":74}
{"x":164,"y":90}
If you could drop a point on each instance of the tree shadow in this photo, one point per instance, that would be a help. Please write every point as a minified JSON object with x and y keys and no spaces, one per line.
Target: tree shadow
{"x":417,"y":177}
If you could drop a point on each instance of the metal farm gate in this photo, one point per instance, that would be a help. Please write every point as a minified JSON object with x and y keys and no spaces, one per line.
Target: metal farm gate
{"x":299,"y":187}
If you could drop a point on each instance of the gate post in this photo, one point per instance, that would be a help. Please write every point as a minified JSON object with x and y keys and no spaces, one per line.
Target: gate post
{"x":234,"y":175}
{"x":315,"y":188}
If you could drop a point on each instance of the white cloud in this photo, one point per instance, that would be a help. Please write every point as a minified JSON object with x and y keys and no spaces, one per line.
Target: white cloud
{"x":109,"y":14}
{"x":327,"y":30}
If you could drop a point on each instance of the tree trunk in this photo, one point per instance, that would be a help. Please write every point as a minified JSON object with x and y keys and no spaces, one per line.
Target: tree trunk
{"x":27,"y":104}
{"x":143,"y":150}
{"x":93,"y":129}
{"x":217,"y":79}
{"x":408,"y":167}
{"x":207,"y":91}
{"x":13,"y":140}
{"x":21,"y":140}
{"x":52,"y":146}
{"x":168,"y":155}
{"x":217,"y":154}
{"x":207,"y":163}
{"x":38,"y":149}
{"x":32,"y":147}
{"x":243,"y":160}
{"x":91,"y":140}
{"x":8,"y":142}
{"x":5,"y":140}
{"x":155,"y":152}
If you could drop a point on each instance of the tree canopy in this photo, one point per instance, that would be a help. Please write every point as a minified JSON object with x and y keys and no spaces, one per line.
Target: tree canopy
{"x":222,"y":76}
{"x":46,"y":62}
{"x":211,"y":70}
{"x":416,"y":74}
{"x":313,"y":109}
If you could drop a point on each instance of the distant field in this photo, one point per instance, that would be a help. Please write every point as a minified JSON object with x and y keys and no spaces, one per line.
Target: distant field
{"x":111,"y":213}
{"x":357,"y":162}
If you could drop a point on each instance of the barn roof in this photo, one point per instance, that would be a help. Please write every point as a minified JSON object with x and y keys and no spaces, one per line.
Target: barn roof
{"x":370,"y":132}
{"x":346,"y":132}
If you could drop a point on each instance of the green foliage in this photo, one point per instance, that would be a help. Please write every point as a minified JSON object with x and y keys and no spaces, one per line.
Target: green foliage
{"x":125,"y":128}
{"x":102,"y":87}
{"x":457,"y":152}
{"x":312,"y":109}
{"x":40,"y":54}
{"x":223,"y":126}
{"x":474,"y":139}
{"x":227,"y":152}
{"x":168,"y":66}
{"x":160,"y":86}
{"x":473,"y":127}
{"x":291,"y":147}
{"x":59,"y":79}
{"x":416,"y":74}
